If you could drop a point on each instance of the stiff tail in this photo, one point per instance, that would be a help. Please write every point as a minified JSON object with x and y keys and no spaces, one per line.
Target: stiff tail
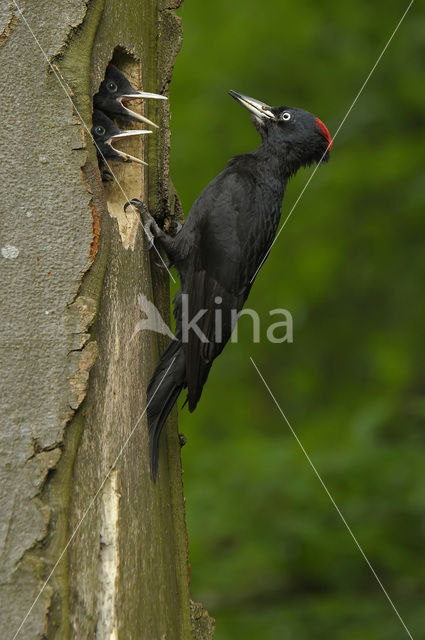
{"x":167,"y":381}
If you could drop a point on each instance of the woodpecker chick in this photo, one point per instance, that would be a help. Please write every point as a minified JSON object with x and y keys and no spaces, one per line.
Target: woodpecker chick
{"x":114,"y":93}
{"x":105,"y":133}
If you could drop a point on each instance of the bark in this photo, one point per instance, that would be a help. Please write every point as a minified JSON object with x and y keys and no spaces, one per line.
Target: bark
{"x":74,"y":375}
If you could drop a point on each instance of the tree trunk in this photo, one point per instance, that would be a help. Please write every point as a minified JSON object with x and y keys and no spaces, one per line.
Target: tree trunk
{"x":90,"y":547}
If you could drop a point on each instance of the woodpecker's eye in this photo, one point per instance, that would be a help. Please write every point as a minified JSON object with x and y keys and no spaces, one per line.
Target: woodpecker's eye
{"x":99,"y":131}
{"x":285,"y":116}
{"x":112,"y":87}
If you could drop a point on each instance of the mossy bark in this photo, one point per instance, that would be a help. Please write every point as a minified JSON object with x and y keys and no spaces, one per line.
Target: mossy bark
{"x":74,"y":372}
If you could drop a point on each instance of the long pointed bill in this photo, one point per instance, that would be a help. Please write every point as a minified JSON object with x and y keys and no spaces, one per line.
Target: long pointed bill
{"x":127,"y":134}
{"x":144,"y":94}
{"x":256,"y":107}
{"x":139,"y":95}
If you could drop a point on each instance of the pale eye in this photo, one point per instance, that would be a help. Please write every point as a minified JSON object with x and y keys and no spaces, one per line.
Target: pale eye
{"x":111,"y":86}
{"x":99,"y":131}
{"x":285,"y":116}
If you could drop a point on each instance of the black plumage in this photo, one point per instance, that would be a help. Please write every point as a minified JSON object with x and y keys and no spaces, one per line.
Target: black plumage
{"x":220,"y":247}
{"x":114,"y":93}
{"x":105,"y":133}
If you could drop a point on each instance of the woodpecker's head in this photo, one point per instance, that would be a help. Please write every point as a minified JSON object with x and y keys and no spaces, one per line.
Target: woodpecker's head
{"x":114,"y":93}
{"x":301,"y":136}
{"x":105,"y":133}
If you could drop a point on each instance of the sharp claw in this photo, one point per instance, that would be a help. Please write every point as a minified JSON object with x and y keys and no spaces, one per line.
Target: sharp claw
{"x":107,"y":176}
{"x":135,"y":202}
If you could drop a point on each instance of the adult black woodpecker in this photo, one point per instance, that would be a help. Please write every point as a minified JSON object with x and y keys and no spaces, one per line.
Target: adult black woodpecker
{"x":114,"y":93}
{"x":221,"y":246}
{"x":105,"y":132}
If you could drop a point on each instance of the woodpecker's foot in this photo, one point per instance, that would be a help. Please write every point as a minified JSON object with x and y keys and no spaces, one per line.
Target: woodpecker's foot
{"x":107,"y":176}
{"x":182,"y":439}
{"x":175,"y":227}
{"x":150,"y":227}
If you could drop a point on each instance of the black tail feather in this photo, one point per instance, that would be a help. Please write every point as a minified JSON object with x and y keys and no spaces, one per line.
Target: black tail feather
{"x":167,"y":381}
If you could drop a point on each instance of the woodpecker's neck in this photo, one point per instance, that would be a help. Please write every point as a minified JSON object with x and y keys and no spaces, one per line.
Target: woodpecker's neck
{"x":272,"y":170}
{"x":283,"y":160}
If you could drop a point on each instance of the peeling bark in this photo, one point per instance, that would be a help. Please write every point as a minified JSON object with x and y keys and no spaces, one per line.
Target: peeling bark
{"x":74,"y":372}
{"x":12,"y":23}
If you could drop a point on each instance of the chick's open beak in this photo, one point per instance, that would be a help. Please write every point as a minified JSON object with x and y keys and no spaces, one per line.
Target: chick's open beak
{"x":139,"y":95}
{"x":127,"y":134}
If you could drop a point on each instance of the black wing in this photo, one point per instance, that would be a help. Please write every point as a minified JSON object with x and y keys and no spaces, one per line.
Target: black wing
{"x":229,"y":239}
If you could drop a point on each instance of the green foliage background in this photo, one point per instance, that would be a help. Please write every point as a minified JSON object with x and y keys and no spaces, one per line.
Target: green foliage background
{"x":270,"y":556}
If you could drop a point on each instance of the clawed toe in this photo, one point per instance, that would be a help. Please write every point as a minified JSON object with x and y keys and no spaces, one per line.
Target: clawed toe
{"x":176,"y":227}
{"x":107,"y":176}
{"x":150,"y":227}
{"x":137,"y":204}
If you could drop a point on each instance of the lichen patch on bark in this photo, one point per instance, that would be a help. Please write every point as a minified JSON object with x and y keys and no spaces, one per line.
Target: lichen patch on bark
{"x":203,"y":626}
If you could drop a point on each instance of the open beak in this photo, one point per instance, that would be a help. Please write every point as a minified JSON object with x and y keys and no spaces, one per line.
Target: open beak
{"x":255,"y":106}
{"x":127,"y":134}
{"x":139,"y":95}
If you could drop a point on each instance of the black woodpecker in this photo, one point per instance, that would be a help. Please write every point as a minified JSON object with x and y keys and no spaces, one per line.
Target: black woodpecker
{"x":221,"y":246}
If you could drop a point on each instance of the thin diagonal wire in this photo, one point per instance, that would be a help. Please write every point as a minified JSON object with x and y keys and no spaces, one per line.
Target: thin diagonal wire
{"x":347,"y":526}
{"x":59,"y":79}
{"x":91,"y":502}
{"x":334,"y":136}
